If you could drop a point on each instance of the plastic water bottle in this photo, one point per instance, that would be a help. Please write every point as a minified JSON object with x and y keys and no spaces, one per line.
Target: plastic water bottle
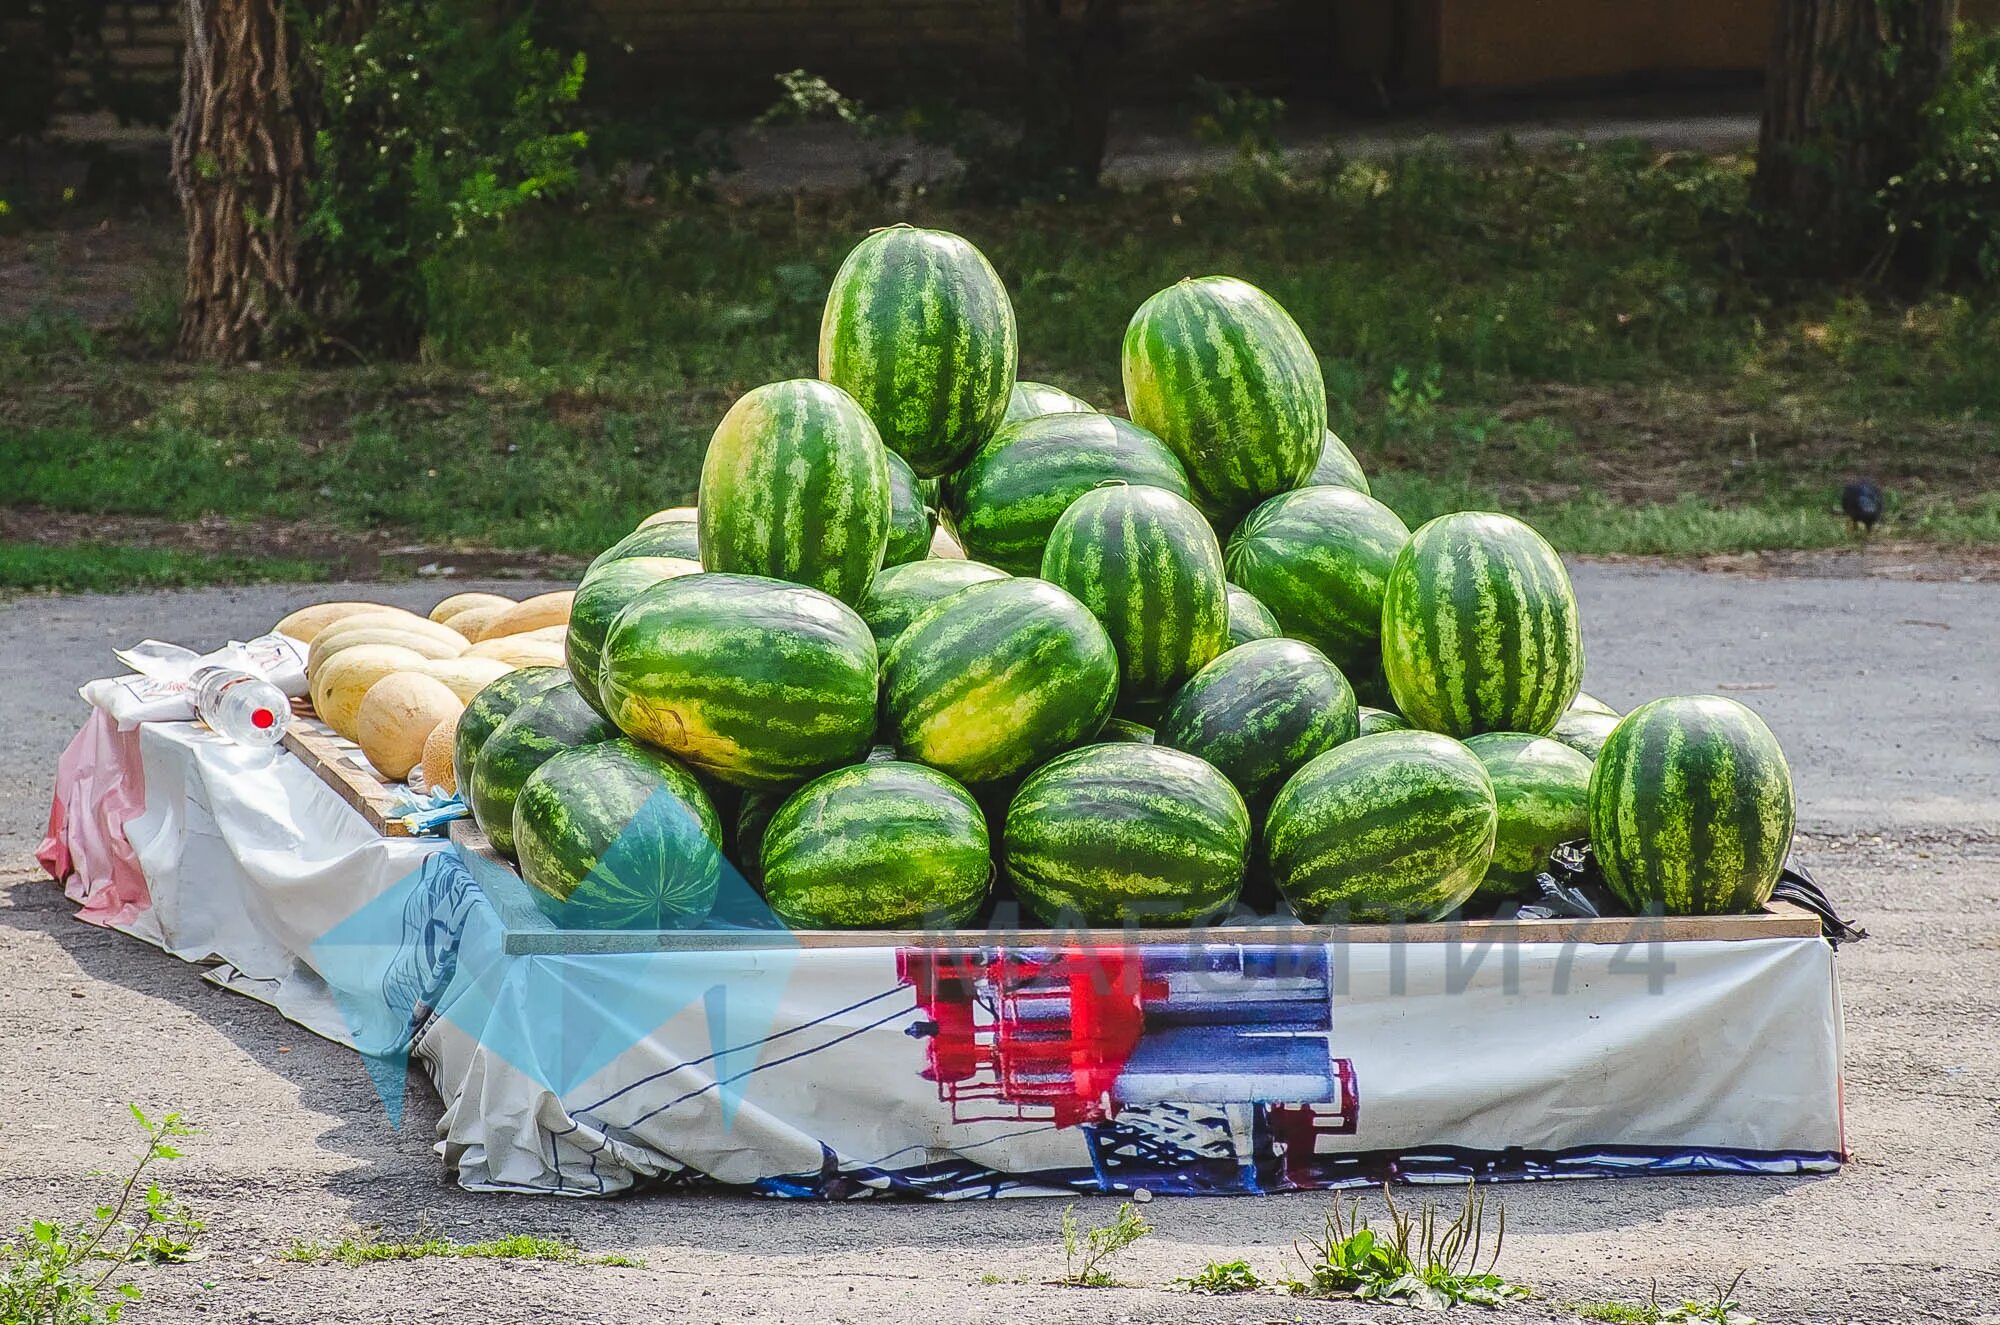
{"x":238,"y":706}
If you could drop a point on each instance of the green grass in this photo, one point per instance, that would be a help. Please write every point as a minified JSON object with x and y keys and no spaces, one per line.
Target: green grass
{"x":368,"y":1250}
{"x":105,"y":568}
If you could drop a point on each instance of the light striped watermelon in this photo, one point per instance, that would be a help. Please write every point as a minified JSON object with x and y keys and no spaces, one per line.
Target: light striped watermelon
{"x":1337,"y":467}
{"x":901,"y":594}
{"x":996,"y":678}
{"x":1031,"y":400}
{"x":753,"y":681}
{"x":1221,"y":374}
{"x":1373,"y":720}
{"x":1543,"y":790}
{"x":1479,"y":628}
{"x":1584,"y":731}
{"x":1586,"y":703}
{"x":1147,"y":566}
{"x":667,"y":534}
{"x":491,"y":707}
{"x":753,"y":816}
{"x":1319,"y":558}
{"x":1013,"y":490}
{"x":1260,"y":712}
{"x":877,"y":846}
{"x":1249,"y":619}
{"x":1691,"y":807}
{"x":541,"y":726}
{"x":1126,"y":834}
{"x":795,"y":486}
{"x":918,"y":328}
{"x":600,"y":597}
{"x":911,"y":520}
{"x":1397,"y":826}
{"x":618,"y":836}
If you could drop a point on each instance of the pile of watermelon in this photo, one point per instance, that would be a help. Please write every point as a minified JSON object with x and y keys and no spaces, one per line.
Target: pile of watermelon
{"x":935,"y":640}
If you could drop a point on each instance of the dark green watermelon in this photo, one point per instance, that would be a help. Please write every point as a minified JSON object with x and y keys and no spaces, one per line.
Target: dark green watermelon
{"x":1260,"y":712}
{"x":901,"y":594}
{"x":491,"y":707}
{"x":599,"y":599}
{"x":1542,"y":788}
{"x":1031,"y":400}
{"x":675,"y":533}
{"x":1375,"y":720}
{"x":1249,"y":619}
{"x":540,"y":727}
{"x":1584,"y":731}
{"x":1125,"y":729}
{"x":911,"y":519}
{"x":1319,"y":559}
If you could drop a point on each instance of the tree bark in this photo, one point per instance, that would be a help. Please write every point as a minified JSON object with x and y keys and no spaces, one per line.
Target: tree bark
{"x":1070,"y":47}
{"x":1843,"y":102}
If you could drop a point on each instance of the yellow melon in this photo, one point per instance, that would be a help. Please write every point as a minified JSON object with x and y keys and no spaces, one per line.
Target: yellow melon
{"x":521,"y":651}
{"x":549,"y":609}
{"x":440,"y":773}
{"x":306,"y":623}
{"x":459,"y":603}
{"x":325,"y":650}
{"x":397,"y":715}
{"x":338,"y":689}
{"x":466,"y":676}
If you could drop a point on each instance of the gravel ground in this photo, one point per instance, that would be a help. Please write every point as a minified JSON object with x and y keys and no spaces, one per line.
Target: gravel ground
{"x":1885,"y":694}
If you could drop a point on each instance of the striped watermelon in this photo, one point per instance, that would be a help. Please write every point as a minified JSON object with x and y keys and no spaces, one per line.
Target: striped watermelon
{"x":753,"y":681}
{"x":1222,"y":375}
{"x":1031,"y":400}
{"x":1319,"y":558}
{"x":1260,"y":712}
{"x":877,"y":846}
{"x":1479,"y":628}
{"x":1013,"y":490}
{"x":1543,"y":790}
{"x":491,"y":707}
{"x":600,"y":597}
{"x":618,"y":836}
{"x":911,"y":520}
{"x":668,"y":534}
{"x":1249,"y":619}
{"x":918,"y":328}
{"x":1373,"y":720}
{"x":1583,"y":731}
{"x":540,"y":727}
{"x":795,"y":486}
{"x":1126,"y":834}
{"x":997,"y":678}
{"x":1691,"y":807}
{"x":1147,"y":566}
{"x":901,"y":594}
{"x":1124,"y":729}
{"x":1397,"y":826}
{"x":1337,"y":467}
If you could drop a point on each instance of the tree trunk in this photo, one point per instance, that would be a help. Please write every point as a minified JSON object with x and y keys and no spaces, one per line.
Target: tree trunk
{"x":1843,"y":103}
{"x":1070,"y":47}
{"x":240,"y":161}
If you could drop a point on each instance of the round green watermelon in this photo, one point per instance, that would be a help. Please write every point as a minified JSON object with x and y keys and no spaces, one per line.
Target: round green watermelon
{"x":1583,"y":731}
{"x":1543,"y":790}
{"x":997,"y":678}
{"x":1012,"y":491}
{"x":753,"y":681}
{"x":1337,"y":467}
{"x":795,"y":486}
{"x":1249,"y":619}
{"x":919,"y":330}
{"x":1479,"y":628}
{"x":1220,"y":373}
{"x":901,"y":594}
{"x":1318,"y":558}
{"x":911,"y":520}
{"x":1373,"y":720}
{"x":491,"y":707}
{"x":677,"y":536}
{"x":1691,"y":808}
{"x":877,"y":846}
{"x":1126,"y":834}
{"x":618,"y":836}
{"x":1124,"y":729}
{"x":540,"y":727}
{"x":599,"y":599}
{"x":1030,"y":400}
{"x":1260,"y":712}
{"x":1148,"y":567}
{"x":1396,"y":826}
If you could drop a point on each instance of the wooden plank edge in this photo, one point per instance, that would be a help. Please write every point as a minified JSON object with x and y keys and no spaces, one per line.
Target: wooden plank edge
{"x":361,"y":789}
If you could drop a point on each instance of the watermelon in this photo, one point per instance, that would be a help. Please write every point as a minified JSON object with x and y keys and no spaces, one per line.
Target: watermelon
{"x":1260,"y":712}
{"x":618,"y":836}
{"x":911,"y":520}
{"x":795,"y":486}
{"x":1396,"y":826}
{"x":1319,"y":558}
{"x":1543,"y":790}
{"x":1249,"y":619}
{"x":1013,"y":490}
{"x":1124,"y":729}
{"x":918,"y":329}
{"x":901,"y":594}
{"x":1148,"y":567}
{"x":540,"y":727}
{"x":1222,"y":375}
{"x":877,"y":846}
{"x":1584,"y":732}
{"x":677,"y":537}
{"x":599,"y":599}
{"x":491,"y":707}
{"x":1337,"y":467}
{"x":753,"y":681}
{"x":1030,"y":400}
{"x":1587,"y":703}
{"x":1691,"y":807}
{"x":1479,"y":628}
{"x":1126,"y":834}
{"x":1374,"y":720}
{"x":997,"y":678}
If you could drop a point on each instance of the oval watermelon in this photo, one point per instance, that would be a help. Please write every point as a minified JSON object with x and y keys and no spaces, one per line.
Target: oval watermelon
{"x":679,"y":536}
{"x":1221,"y":374}
{"x":919,"y":330}
{"x":753,"y":816}
{"x":795,"y":486}
{"x":911,"y":520}
{"x":600,"y":597}
{"x":1584,"y":732}
{"x":1337,"y":467}
{"x":1260,"y":712}
{"x":1148,"y":567}
{"x":1124,"y":729}
{"x":1013,"y":490}
{"x":491,"y":707}
{"x":1031,"y":400}
{"x":1397,"y":826}
{"x":1691,"y":807}
{"x":618,"y":836}
{"x":1249,"y":619}
{"x":901,"y":594}
{"x":540,"y":727}
{"x":877,"y":846}
{"x":1543,"y":790}
{"x":1373,"y":720}
{"x":1319,"y":559}
{"x":1126,"y":834}
{"x":997,"y":678}
{"x":753,"y":681}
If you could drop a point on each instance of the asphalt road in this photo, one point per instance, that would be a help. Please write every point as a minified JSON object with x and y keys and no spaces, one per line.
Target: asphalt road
{"x":1885,"y":694}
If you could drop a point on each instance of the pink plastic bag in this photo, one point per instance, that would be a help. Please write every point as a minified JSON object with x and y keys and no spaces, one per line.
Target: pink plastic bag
{"x":100,"y":787}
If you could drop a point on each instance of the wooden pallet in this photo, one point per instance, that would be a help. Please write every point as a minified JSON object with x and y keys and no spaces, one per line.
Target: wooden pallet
{"x":338,"y":762}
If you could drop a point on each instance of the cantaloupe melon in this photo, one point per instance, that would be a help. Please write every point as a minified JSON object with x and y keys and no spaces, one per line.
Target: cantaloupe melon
{"x":440,"y":775}
{"x":397,"y":716}
{"x":466,"y":676}
{"x":340,"y":686}
{"x":549,"y":609}
{"x":473,"y":622}
{"x":324,"y":650}
{"x":388,"y":617}
{"x":459,"y":603}
{"x":521,"y":650}
{"x":306,"y":623}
